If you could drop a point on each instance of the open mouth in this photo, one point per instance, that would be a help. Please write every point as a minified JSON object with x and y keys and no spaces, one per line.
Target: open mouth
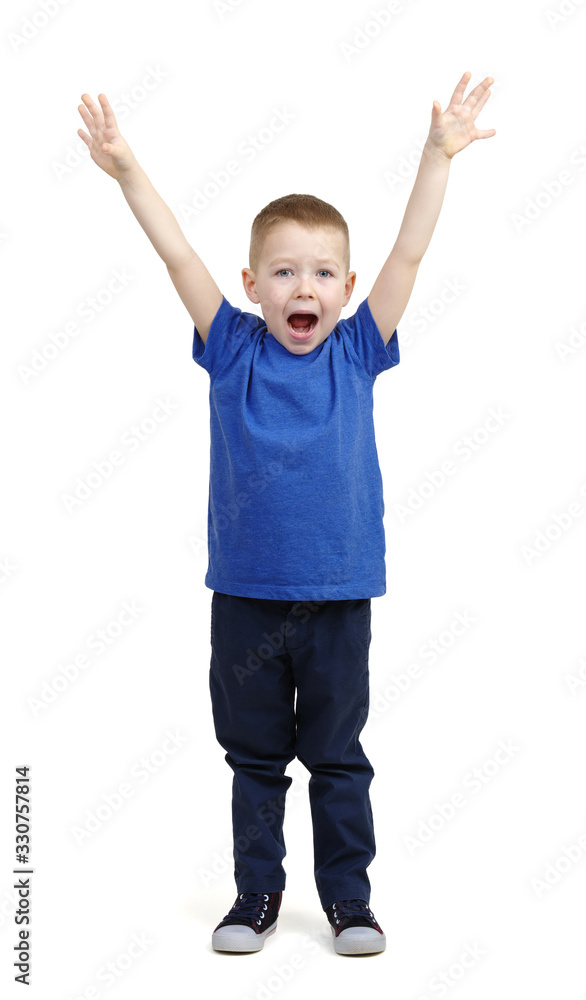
{"x":301,"y":325}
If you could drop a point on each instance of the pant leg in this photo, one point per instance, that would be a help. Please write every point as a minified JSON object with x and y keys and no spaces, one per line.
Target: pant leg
{"x":253,"y":696}
{"x":330,"y":666}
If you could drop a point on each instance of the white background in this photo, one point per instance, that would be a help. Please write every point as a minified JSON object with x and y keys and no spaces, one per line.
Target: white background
{"x":514,"y":675}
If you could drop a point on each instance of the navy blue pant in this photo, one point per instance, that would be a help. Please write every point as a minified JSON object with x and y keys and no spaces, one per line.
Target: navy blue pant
{"x":290,"y":679}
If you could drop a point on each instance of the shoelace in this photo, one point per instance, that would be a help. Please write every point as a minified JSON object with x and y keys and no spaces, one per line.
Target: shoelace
{"x":351,"y":908}
{"x":249,"y":904}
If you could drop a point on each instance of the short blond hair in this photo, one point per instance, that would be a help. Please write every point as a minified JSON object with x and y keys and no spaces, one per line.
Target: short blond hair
{"x":306,"y":209}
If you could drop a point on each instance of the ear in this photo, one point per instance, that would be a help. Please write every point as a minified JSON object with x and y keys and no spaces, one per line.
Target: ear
{"x":249,"y":282}
{"x":349,"y":286}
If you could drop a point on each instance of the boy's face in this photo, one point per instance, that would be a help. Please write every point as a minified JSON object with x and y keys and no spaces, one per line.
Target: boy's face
{"x":300,"y":271}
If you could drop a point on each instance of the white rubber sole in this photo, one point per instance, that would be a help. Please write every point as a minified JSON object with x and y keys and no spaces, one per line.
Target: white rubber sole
{"x":238,"y":938}
{"x":364,"y":943}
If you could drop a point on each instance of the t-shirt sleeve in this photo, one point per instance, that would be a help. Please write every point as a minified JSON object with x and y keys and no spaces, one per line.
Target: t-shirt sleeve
{"x":367,"y":343}
{"x":229,"y":333}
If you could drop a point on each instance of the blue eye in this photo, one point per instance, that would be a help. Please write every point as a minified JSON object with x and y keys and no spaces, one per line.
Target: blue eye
{"x":285,"y":270}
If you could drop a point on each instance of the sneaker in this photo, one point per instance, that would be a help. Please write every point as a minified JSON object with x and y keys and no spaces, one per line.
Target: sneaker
{"x":355,"y":930}
{"x":252,"y":918}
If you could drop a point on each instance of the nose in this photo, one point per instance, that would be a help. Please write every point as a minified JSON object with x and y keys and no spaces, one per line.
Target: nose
{"x":304,"y":286}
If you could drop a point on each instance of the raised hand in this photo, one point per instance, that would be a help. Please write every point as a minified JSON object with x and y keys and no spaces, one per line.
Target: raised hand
{"x":453,"y":130}
{"x":107,"y":147}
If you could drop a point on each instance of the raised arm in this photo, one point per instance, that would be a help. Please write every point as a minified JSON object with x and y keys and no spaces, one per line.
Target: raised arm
{"x":449,"y":133}
{"x":196,"y":287}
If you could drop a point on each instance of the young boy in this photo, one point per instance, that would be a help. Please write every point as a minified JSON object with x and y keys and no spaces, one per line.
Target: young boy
{"x":295,"y":521}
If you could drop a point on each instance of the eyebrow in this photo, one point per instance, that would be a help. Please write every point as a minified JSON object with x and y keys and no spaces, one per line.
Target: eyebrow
{"x":321,"y":260}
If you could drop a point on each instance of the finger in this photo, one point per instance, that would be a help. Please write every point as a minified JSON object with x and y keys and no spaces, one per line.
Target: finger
{"x":486,"y":134}
{"x":93,"y":108}
{"x":456,"y":97}
{"x":480,"y":93}
{"x":87,"y":119}
{"x":85,"y":137}
{"x":480,"y":103}
{"x":109,"y":119}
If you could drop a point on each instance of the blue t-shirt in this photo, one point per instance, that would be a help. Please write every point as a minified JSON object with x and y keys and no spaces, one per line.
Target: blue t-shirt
{"x":295,"y":495}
